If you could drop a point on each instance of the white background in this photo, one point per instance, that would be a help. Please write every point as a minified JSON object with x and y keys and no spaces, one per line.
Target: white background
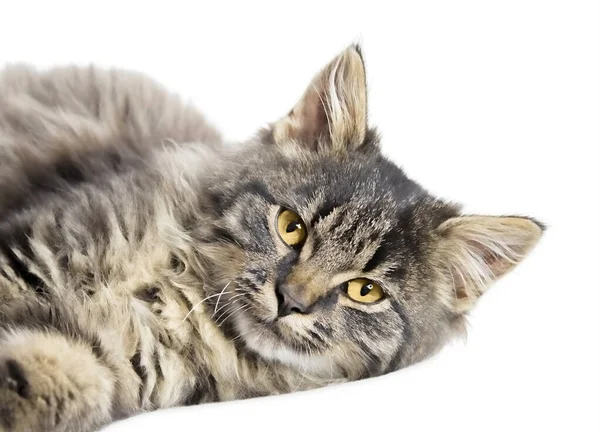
{"x":489,"y":103}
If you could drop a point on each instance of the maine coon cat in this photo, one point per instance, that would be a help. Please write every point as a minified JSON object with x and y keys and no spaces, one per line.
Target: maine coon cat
{"x":144,"y":264}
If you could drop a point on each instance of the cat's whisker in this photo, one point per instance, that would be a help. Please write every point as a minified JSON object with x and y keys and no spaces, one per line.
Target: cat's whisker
{"x":229,"y":302}
{"x":243,"y":307}
{"x":220,"y":294}
{"x":224,"y":317}
{"x":136,"y":262}
{"x":198,"y":304}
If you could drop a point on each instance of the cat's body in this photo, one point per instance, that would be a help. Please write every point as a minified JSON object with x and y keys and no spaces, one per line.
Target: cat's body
{"x":139,"y":267}
{"x":98,"y":232}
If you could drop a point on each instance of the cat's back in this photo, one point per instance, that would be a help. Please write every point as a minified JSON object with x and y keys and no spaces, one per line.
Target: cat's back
{"x":62,"y":126}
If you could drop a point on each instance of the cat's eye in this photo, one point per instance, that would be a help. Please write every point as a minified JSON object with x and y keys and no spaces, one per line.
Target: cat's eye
{"x":364,"y":291}
{"x":291,"y":228}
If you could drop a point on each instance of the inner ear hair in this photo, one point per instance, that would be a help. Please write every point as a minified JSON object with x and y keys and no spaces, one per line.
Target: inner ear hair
{"x":332,"y":113}
{"x":474,"y":251}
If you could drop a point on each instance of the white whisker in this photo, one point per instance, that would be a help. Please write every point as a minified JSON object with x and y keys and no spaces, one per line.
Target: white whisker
{"x":232,"y":312}
{"x":220,"y":294}
{"x":229,"y":302}
{"x":199,"y":303}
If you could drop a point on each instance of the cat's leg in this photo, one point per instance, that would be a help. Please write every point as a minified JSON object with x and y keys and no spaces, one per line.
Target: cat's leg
{"x":49,"y":382}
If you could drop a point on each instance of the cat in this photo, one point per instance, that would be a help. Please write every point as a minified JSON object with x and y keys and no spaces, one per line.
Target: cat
{"x":146,"y":264}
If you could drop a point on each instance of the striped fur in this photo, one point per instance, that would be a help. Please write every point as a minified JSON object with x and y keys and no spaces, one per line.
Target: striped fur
{"x":139,"y":256}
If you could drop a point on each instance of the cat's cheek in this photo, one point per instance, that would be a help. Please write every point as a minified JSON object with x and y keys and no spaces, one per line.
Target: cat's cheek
{"x":264,"y":304}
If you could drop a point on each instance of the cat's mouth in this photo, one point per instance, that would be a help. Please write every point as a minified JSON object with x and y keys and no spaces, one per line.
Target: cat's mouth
{"x":294,"y":330}
{"x":268,"y":341}
{"x":295,"y":340}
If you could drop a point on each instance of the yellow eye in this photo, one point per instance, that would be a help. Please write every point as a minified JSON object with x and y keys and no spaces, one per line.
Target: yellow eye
{"x":364,"y":291}
{"x":291,"y":228}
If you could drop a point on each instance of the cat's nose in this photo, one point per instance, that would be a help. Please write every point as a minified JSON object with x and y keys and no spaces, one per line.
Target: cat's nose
{"x":286,"y":303}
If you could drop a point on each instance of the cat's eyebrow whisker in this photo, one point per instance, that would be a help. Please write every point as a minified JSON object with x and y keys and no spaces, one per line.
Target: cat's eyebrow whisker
{"x":199,"y":303}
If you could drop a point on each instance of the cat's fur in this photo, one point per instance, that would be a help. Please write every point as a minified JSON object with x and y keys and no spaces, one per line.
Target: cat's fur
{"x":138,"y":255}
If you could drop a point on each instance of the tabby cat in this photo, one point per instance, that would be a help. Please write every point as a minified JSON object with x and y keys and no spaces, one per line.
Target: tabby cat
{"x":144,"y":264}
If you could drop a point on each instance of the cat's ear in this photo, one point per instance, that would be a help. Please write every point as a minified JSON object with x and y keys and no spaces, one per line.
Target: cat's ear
{"x":332,"y":113}
{"x":474,"y":251}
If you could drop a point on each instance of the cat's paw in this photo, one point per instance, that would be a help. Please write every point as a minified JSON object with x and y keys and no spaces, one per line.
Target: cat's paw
{"x":35,"y":394}
{"x":51,"y":383}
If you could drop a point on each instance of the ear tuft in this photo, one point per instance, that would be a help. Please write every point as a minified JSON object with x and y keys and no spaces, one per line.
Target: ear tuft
{"x":332,"y":113}
{"x":475,"y":251}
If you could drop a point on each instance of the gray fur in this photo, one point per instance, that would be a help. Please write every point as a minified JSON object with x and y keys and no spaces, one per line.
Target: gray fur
{"x":139,"y":256}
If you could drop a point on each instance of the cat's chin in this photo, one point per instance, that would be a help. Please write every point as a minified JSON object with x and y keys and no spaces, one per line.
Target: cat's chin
{"x":265,"y":343}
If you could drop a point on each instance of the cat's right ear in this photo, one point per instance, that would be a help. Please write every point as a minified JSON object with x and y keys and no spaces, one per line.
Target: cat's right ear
{"x":332,"y":113}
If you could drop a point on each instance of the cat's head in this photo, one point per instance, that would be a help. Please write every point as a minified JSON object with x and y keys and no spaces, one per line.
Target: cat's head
{"x":349,"y":268}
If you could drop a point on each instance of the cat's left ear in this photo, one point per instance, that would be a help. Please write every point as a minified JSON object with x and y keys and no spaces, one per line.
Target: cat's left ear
{"x":332,"y":113}
{"x":472,"y":252}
